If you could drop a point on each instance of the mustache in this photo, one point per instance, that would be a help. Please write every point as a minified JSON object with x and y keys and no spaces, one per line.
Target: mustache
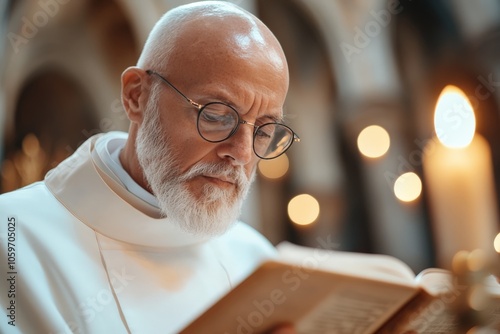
{"x":236,"y":174}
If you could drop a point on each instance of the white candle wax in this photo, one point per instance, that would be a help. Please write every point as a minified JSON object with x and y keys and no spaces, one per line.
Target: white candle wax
{"x":460,"y":186}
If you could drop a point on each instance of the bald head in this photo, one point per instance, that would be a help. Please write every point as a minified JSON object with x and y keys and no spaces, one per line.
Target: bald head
{"x":201,"y":33}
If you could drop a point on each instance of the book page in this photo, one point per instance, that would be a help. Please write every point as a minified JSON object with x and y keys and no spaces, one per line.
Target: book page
{"x":278,"y":293}
{"x":373,"y":266}
{"x":436,"y":281}
{"x":352,"y":309}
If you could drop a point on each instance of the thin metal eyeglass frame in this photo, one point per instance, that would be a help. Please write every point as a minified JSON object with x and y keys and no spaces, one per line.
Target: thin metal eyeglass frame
{"x":200,"y":107}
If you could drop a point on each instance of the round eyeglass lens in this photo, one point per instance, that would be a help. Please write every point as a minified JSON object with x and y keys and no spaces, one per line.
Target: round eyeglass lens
{"x":217,"y":121}
{"x":271,"y":140}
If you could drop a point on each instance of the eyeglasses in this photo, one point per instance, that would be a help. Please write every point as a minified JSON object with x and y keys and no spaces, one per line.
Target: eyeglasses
{"x":218,"y":121}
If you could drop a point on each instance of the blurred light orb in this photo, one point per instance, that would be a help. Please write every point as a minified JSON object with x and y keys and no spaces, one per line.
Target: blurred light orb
{"x":303,"y":209}
{"x":373,"y":141}
{"x":275,"y":168}
{"x":496,"y":243}
{"x":477,"y":260}
{"x":30,"y":145}
{"x":478,"y":297}
{"x":459,"y":262}
{"x":408,"y":187}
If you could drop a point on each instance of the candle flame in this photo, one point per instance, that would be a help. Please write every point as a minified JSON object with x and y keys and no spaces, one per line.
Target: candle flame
{"x":454,"y":119}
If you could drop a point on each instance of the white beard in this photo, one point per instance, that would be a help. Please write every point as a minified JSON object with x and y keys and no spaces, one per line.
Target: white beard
{"x":217,"y":208}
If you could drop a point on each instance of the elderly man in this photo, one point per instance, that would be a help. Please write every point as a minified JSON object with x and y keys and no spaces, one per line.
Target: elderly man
{"x":138,"y":233}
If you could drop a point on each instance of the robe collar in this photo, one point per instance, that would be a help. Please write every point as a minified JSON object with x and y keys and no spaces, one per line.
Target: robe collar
{"x":103,"y":204}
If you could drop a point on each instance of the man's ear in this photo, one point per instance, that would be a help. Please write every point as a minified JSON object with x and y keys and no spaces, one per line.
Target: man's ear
{"x":134,"y":93}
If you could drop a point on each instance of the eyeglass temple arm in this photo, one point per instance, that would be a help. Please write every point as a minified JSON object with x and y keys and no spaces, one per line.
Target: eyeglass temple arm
{"x":197,"y":105}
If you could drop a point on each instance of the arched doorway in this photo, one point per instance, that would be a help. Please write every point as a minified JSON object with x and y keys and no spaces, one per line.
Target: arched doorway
{"x":51,"y":117}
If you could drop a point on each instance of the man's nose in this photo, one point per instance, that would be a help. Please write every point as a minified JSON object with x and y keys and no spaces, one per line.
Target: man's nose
{"x":239,"y":147}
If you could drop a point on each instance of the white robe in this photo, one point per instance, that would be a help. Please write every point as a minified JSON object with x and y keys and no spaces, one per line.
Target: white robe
{"x":86,"y":258}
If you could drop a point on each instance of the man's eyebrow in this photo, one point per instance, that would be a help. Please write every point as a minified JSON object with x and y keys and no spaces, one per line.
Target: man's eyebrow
{"x":276,"y":119}
{"x":222,"y":98}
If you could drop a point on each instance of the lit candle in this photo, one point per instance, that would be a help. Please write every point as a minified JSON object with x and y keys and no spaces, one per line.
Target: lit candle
{"x":459,"y":175}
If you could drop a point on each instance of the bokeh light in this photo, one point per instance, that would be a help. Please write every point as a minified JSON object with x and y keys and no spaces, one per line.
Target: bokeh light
{"x":31,"y":145}
{"x":274,"y":169}
{"x":496,"y":243}
{"x":373,"y":141}
{"x":459,"y":262}
{"x":477,"y":260}
{"x":478,"y":297}
{"x":408,"y":187}
{"x":303,"y":209}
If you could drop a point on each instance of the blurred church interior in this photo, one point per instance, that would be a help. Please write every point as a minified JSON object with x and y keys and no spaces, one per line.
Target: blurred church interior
{"x":361,"y":72}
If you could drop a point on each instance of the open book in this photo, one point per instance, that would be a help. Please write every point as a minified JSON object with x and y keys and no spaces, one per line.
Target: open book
{"x":322,"y":291}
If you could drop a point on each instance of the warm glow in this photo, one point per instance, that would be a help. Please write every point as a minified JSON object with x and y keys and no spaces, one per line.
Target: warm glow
{"x":477,"y":260}
{"x":478,"y":297}
{"x":373,"y":141}
{"x":474,"y":330}
{"x":496,"y":243}
{"x":31,"y":145}
{"x":464,"y":261}
{"x":275,"y":168}
{"x":454,"y":119}
{"x":459,"y":262}
{"x":303,"y":209}
{"x":408,"y":187}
